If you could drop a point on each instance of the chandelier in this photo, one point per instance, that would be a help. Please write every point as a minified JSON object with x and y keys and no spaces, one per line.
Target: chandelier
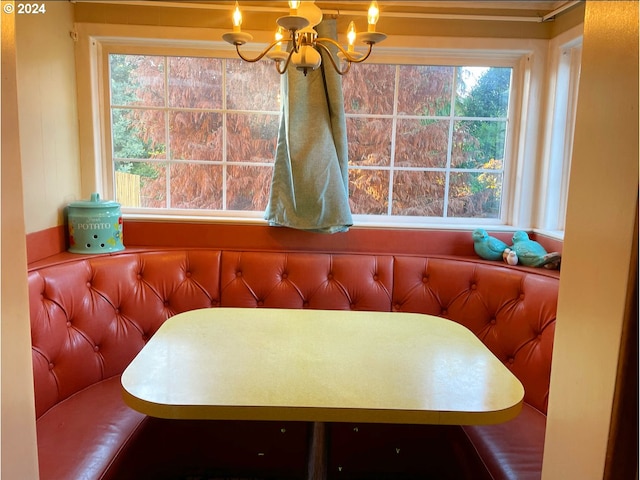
{"x":302,"y":47}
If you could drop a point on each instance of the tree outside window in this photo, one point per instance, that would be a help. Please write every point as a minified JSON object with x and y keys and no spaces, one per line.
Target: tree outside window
{"x":200,"y":134}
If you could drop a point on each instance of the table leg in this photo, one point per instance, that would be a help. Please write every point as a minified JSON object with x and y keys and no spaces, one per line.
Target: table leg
{"x":317,"y":461}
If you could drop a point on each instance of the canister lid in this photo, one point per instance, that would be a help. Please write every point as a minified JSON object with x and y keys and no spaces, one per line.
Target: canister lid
{"x":94,"y":202}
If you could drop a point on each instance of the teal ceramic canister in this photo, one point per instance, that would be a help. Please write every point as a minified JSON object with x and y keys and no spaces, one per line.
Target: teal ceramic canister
{"x":95,"y":226}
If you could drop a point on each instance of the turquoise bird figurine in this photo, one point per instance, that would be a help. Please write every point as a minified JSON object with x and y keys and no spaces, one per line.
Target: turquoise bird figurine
{"x":487,"y":247}
{"x":531,"y":254}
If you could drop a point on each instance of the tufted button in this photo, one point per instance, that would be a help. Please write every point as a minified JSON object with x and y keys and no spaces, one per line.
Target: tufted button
{"x":139,"y":276}
{"x":396,"y":306}
{"x":166,"y":303}
{"x":375,"y":277}
{"x":260,"y":303}
{"x":330,"y":276}
{"x":425,"y":279}
{"x":473,"y":286}
{"x":188,"y":274}
{"x":117,"y":311}
{"x":214,"y":303}
{"x":50,"y":365}
{"x":444,"y":311}
{"x":510,"y":360}
{"x":493,"y":321}
{"x":305,"y":304}
{"x":522,"y":296}
{"x":68,"y":323}
{"x":96,"y":348}
{"x":145,"y":337}
{"x":285,"y":276}
{"x":88,"y":284}
{"x":238,"y":273}
{"x":352,"y":306}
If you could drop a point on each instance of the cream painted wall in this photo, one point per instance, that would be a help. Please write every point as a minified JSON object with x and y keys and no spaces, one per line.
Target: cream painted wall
{"x":48,"y":115}
{"x":598,"y":246}
{"x":18,"y":459}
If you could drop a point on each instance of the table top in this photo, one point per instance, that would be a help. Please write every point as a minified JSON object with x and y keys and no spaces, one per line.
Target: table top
{"x":320,"y":365}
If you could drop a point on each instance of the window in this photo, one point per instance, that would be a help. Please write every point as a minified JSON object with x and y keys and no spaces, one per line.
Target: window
{"x":199,"y":134}
{"x":427,"y":140}
{"x":192,"y":133}
{"x":561,"y":115}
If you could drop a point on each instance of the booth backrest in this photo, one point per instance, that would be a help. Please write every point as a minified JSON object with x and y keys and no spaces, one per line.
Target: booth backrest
{"x":512,"y":311}
{"x":306,"y":280}
{"x":90,"y":317}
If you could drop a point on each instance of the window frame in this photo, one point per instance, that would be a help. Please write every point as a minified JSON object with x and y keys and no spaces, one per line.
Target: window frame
{"x":565,"y":52}
{"x":527,"y":57}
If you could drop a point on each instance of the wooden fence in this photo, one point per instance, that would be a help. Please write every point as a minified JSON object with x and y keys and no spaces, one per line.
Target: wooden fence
{"x":128,"y":189}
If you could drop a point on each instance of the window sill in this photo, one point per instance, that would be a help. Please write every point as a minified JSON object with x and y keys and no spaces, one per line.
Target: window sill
{"x":405,"y":223}
{"x":554,"y":234}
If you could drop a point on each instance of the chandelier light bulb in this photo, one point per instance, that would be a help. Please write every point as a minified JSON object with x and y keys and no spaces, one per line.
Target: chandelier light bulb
{"x":351,"y":36}
{"x":237,"y":18}
{"x":372,"y":16}
{"x":293,"y":6}
{"x":278,"y":37}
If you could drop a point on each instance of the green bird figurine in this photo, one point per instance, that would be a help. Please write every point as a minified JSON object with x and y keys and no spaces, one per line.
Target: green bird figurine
{"x":531,"y":254}
{"x":487,"y":247}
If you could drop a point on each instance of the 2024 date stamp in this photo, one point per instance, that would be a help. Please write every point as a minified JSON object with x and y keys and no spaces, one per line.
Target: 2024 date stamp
{"x":25,"y":8}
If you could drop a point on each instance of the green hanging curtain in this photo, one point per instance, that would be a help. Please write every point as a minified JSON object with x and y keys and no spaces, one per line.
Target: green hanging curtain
{"x":310,"y":185}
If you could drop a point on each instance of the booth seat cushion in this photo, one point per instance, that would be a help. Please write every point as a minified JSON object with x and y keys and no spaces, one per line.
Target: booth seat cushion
{"x":84,"y":435}
{"x":512,"y":450}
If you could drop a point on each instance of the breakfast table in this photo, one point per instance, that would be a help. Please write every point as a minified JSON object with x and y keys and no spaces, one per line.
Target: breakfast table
{"x":319,"y":366}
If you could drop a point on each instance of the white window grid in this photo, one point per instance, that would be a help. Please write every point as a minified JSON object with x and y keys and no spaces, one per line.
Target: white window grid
{"x":447,"y":170}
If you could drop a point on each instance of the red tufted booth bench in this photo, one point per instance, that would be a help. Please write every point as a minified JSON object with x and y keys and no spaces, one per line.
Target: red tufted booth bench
{"x":90,"y":315}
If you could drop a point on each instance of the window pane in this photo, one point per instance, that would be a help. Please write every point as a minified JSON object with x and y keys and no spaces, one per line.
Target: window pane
{"x":418,"y":193}
{"x":138,"y":133}
{"x":369,"y":141}
{"x":368,"y":88}
{"x":475,"y":195}
{"x":478,"y":142}
{"x":140,"y":184}
{"x":252,"y":86}
{"x":196,"y":135}
{"x":137,"y":80}
{"x":483,"y":92}
{"x":195,"y":82}
{"x":196,"y":186}
{"x":369,"y":191}
{"x":425,"y":90}
{"x":248,"y":187}
{"x":251,"y":137}
{"x":422,"y":143}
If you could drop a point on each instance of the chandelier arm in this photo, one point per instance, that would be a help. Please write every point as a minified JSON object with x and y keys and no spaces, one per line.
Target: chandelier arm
{"x":333,"y":62}
{"x":347,"y":55}
{"x":295,"y":39}
{"x":286,"y":64}
{"x":259,"y":57}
